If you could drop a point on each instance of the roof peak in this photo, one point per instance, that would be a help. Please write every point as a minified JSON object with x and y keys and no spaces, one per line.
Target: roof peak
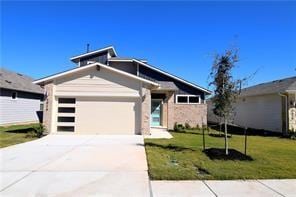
{"x":109,"y":49}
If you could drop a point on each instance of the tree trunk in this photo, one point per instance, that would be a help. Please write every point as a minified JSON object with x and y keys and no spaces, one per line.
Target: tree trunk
{"x":225,"y":134}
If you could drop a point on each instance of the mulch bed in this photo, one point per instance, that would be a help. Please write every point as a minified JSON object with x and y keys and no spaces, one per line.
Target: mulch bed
{"x":219,"y":154}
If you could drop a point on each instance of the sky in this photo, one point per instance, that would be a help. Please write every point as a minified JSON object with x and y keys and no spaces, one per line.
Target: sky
{"x":182,"y":38}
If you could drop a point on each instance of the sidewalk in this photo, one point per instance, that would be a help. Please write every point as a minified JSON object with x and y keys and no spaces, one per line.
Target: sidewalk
{"x":239,"y":188}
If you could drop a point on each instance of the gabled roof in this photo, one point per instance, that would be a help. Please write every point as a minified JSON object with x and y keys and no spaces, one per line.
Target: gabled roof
{"x":78,"y":69}
{"x":144,"y":63}
{"x":273,"y":87}
{"x":16,"y":81}
{"x":109,"y":49}
{"x":173,"y":76}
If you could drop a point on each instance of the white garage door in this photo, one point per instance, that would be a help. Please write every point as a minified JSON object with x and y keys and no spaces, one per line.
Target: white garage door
{"x":107,"y":115}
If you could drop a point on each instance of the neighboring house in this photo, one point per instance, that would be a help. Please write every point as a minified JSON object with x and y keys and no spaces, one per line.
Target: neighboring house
{"x":107,"y":94}
{"x":269,"y":106}
{"x":20,"y":99}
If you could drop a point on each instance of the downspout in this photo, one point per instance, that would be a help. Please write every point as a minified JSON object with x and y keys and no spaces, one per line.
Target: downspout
{"x":287,"y":123}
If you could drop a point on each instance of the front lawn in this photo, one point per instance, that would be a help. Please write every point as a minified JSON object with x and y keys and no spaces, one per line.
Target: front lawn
{"x":16,"y":134}
{"x":182,"y":158}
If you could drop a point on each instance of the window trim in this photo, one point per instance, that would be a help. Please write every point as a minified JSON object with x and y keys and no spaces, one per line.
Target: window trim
{"x":188,"y":95}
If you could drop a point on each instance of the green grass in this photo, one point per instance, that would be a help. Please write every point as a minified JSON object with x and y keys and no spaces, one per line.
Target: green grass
{"x":16,"y":134}
{"x":180,"y":158}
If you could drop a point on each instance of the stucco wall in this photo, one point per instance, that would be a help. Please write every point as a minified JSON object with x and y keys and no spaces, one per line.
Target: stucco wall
{"x":193,"y":114}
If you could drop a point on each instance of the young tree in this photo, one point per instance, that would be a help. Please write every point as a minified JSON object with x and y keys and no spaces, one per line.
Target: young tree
{"x":226,"y":88}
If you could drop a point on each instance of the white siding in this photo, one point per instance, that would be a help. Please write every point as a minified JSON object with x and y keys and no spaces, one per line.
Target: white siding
{"x":260,"y":112}
{"x":18,"y":110}
{"x":92,"y":82}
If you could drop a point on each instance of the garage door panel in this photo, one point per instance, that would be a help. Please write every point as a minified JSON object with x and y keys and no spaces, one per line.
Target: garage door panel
{"x":107,"y":115}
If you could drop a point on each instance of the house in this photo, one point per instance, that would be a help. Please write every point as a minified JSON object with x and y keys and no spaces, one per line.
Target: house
{"x":268,"y":106}
{"x":20,"y":99}
{"x":108,"y":94}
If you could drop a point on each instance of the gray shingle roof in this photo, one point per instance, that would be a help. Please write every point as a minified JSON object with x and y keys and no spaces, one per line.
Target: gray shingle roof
{"x":167,"y":85}
{"x":17,"y":81}
{"x":278,"y":86}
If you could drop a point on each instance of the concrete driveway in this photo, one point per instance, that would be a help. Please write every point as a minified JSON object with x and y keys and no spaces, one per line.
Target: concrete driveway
{"x":75,"y":165}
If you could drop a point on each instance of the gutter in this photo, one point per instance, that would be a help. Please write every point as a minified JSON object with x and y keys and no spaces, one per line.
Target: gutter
{"x":286,"y":99}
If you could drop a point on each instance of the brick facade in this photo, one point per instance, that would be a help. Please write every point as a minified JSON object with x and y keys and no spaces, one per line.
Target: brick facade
{"x":170,"y":111}
{"x":195,"y":114}
{"x":47,"y":108}
{"x":146,"y":111}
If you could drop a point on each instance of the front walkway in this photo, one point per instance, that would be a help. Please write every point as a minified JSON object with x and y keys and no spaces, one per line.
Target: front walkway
{"x":254,"y":188}
{"x":75,"y":165}
{"x":158,"y":133}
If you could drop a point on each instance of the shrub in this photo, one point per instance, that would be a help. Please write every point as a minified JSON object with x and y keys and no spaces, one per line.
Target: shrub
{"x":178,"y":127}
{"x":197,"y":126}
{"x":205,"y":127}
{"x":187,"y":126}
{"x":181,"y":127}
{"x":37,"y":131}
{"x":292,"y":134}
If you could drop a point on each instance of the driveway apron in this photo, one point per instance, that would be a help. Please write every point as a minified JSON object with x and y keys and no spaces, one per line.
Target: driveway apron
{"x":75,"y":165}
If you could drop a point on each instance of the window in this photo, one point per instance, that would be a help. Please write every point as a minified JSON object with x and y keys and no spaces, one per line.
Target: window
{"x":187,"y":99}
{"x":65,"y":128}
{"x":193,"y":99}
{"x":67,"y":100}
{"x":14,"y":95}
{"x":66,"y":109}
{"x":182,"y":99}
{"x":41,"y":106}
{"x":66,"y":119}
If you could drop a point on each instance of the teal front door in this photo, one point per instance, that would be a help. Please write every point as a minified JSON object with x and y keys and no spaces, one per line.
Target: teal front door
{"x":155,"y":112}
